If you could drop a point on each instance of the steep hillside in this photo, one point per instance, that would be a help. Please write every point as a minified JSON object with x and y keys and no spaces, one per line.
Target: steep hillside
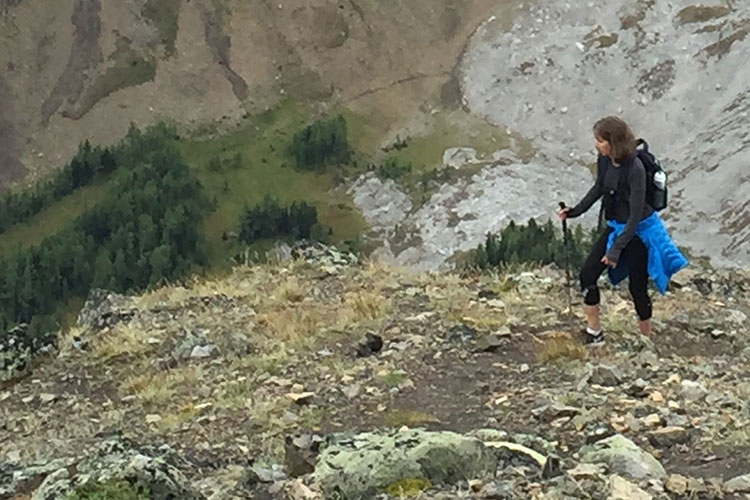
{"x":79,"y":69}
{"x":257,"y":385}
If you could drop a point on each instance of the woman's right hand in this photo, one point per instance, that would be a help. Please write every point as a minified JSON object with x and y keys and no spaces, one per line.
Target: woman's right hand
{"x":563,"y":213}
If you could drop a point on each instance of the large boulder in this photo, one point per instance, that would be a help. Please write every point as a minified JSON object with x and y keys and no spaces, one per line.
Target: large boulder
{"x":104,"y":309}
{"x":116,"y":462}
{"x":624,"y":457}
{"x":366,"y":464}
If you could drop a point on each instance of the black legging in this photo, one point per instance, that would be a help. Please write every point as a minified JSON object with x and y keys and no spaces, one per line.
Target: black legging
{"x":636,"y":255}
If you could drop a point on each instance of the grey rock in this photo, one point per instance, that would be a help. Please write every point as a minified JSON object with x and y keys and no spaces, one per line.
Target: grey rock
{"x":668,"y":436}
{"x":491,"y":342}
{"x":281,"y":253}
{"x":267,"y":472}
{"x":638,"y":388}
{"x":352,"y":391}
{"x":622,"y":489}
{"x":587,"y":471}
{"x":623,"y":457}
{"x":692,"y":391}
{"x":14,"y":479}
{"x":17,"y":350}
{"x":496,"y":491}
{"x":548,"y":413}
{"x":607,"y":376}
{"x":682,"y":485}
{"x":56,"y":485}
{"x":187,"y":344}
{"x":458,"y":157}
{"x":204,"y":351}
{"x":739,"y":484}
{"x":105,"y":309}
{"x":362,"y":465}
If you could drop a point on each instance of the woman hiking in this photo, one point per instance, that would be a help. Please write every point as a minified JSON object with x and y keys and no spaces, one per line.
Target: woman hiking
{"x":635,"y":242}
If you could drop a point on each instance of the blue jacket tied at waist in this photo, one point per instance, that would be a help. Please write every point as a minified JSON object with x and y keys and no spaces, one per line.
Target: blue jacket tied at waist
{"x":664,"y":258}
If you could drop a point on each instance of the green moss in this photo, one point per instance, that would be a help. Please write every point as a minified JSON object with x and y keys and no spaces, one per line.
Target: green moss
{"x":409,"y":487}
{"x":112,"y":490}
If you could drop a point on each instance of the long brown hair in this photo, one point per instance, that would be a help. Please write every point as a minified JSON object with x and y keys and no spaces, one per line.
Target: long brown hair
{"x":619,"y":136}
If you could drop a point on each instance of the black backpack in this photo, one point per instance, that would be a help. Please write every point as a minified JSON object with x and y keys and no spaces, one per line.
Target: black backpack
{"x":656,"y":177}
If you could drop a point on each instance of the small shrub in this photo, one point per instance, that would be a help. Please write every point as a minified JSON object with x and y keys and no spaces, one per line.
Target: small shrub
{"x":394,"y":169}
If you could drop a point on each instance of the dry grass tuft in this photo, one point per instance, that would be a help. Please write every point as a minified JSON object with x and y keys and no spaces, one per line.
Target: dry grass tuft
{"x":292,"y":290}
{"x":173,"y":421}
{"x":292,"y":324}
{"x":123,"y":340}
{"x":561,"y":345}
{"x":155,"y":389}
{"x":367,"y":304}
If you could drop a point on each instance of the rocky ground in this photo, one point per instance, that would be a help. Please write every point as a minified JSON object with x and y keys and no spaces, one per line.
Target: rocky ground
{"x":325,"y":377}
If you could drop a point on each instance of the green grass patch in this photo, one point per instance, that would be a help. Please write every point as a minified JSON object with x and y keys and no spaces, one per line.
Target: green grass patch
{"x":425,"y":150}
{"x":264,"y":169}
{"x":393,"y":378}
{"x":53,"y":218}
{"x":410,"y":418}
{"x":164,"y":16}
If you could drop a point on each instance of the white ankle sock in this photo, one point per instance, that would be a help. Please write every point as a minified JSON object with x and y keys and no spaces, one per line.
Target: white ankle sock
{"x":593,"y":332}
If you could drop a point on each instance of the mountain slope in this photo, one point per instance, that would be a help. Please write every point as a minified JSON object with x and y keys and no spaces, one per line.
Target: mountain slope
{"x":81,"y":69}
{"x":677,"y":71}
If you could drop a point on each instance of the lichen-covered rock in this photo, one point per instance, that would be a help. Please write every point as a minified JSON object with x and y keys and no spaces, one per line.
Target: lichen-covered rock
{"x":104,"y":309}
{"x":17,"y":348}
{"x":363,"y":465}
{"x":115,"y":462}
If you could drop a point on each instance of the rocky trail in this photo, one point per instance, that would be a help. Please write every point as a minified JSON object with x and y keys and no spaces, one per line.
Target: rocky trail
{"x":322,"y":377}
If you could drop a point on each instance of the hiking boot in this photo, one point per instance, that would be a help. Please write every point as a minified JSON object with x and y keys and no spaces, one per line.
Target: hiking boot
{"x":590,"y":340}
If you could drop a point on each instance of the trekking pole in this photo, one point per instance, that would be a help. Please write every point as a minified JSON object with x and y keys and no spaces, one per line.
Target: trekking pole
{"x":567,"y":266}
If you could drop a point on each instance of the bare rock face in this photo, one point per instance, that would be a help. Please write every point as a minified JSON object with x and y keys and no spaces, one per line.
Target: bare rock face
{"x":673,"y":70}
{"x":460,"y":214}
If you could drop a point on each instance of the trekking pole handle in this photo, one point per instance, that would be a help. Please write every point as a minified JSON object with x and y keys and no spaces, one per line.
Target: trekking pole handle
{"x":563,"y":206}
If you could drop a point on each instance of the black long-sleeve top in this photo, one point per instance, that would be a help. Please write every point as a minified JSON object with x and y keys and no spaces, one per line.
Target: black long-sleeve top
{"x":623,"y":187}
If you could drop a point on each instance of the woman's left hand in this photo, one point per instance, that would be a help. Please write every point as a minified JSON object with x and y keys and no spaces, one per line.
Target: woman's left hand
{"x":608,"y":262}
